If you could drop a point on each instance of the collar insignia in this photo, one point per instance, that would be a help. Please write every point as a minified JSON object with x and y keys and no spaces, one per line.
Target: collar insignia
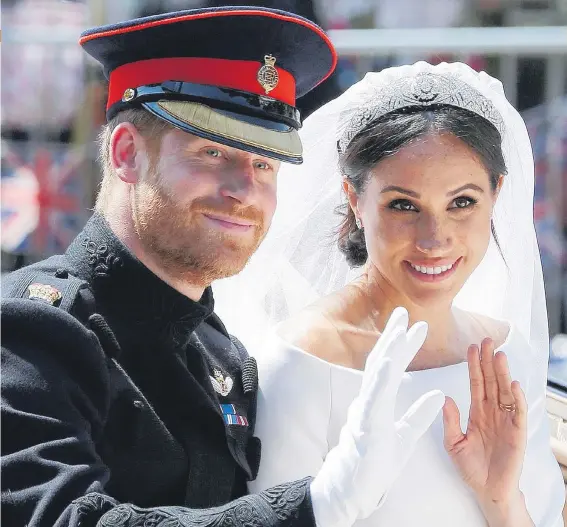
{"x":44,"y":292}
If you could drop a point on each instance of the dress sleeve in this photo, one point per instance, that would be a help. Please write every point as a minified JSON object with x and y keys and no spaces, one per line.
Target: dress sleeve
{"x":294,"y":408}
{"x":541,"y":480}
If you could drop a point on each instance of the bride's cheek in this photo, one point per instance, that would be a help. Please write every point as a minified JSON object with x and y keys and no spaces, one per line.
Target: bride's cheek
{"x":390,"y":240}
{"x":377,"y":231}
{"x":474,"y":232}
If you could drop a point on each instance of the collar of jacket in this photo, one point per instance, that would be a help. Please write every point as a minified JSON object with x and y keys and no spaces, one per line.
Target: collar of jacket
{"x":123,"y":286}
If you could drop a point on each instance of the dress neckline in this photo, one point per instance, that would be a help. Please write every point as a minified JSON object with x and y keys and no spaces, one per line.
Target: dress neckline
{"x":281,"y":342}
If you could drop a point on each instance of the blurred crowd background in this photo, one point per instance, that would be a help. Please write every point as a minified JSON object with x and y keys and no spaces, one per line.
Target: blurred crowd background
{"x":53,"y":102}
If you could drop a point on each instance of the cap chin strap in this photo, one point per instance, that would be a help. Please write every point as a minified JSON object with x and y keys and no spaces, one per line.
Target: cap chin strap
{"x":274,"y":114}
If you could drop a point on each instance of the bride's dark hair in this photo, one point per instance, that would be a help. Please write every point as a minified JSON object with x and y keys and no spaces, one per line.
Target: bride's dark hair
{"x":388,"y":134}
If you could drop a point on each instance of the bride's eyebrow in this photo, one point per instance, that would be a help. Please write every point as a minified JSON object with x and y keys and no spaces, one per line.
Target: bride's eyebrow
{"x":413,"y":194}
{"x":394,"y":188}
{"x":471,"y":186}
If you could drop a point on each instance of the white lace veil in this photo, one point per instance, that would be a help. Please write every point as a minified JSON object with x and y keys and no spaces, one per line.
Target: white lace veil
{"x":299,"y":260}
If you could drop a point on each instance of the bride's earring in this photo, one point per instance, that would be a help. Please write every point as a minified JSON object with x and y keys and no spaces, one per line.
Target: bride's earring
{"x":358,"y":223}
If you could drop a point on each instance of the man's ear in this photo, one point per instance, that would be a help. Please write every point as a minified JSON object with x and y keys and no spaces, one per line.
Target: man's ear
{"x":128,"y":153}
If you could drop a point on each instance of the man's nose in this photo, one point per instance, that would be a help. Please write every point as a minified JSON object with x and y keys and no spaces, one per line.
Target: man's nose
{"x":239,"y":183}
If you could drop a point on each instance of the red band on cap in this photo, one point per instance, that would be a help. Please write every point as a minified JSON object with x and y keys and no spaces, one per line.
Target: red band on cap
{"x":235,"y":74}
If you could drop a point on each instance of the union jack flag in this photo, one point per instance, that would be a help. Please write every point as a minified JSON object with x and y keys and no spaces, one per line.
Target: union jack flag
{"x":41,"y":194}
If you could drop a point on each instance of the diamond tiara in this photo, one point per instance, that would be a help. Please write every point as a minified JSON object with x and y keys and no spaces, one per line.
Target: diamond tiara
{"x":423,"y":90}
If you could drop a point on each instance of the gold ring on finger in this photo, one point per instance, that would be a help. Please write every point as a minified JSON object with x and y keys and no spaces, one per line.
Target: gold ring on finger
{"x":507,"y":407}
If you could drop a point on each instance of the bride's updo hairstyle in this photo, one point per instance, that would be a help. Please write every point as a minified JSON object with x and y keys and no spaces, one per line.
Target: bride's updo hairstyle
{"x":390,"y":133}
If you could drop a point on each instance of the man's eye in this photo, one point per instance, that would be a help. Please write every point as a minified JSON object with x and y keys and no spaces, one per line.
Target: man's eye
{"x":262,"y":165}
{"x":213,"y":152}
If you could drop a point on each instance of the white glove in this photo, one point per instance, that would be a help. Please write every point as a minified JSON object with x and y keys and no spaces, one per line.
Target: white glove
{"x":373,"y":448}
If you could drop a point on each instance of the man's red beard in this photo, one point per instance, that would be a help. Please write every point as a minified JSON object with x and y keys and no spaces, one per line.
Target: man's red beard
{"x":180,"y":241}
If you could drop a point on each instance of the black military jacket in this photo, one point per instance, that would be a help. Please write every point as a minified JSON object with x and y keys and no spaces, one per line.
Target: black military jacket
{"x":124,"y":403}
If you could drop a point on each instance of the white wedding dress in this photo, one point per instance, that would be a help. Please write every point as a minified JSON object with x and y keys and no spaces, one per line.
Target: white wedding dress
{"x":302,"y":405}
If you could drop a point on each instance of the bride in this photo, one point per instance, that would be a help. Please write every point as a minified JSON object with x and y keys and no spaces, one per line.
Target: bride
{"x":431,"y":173}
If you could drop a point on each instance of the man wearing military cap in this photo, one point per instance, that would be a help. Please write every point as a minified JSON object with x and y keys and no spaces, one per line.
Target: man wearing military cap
{"x":125,"y":401}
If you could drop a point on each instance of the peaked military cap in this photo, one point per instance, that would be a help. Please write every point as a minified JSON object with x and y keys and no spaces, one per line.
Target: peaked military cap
{"x":229,"y":74}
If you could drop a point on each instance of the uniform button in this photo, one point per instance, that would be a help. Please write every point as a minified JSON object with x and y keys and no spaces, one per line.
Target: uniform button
{"x":61,"y":273}
{"x":138,"y":404}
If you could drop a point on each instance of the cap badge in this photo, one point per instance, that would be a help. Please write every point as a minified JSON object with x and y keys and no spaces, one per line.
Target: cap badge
{"x":128,"y":95}
{"x":221,"y":384}
{"x":268,"y":76}
{"x":44,"y":292}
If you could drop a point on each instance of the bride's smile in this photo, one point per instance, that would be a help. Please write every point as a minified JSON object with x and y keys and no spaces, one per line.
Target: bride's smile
{"x":433,"y":271}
